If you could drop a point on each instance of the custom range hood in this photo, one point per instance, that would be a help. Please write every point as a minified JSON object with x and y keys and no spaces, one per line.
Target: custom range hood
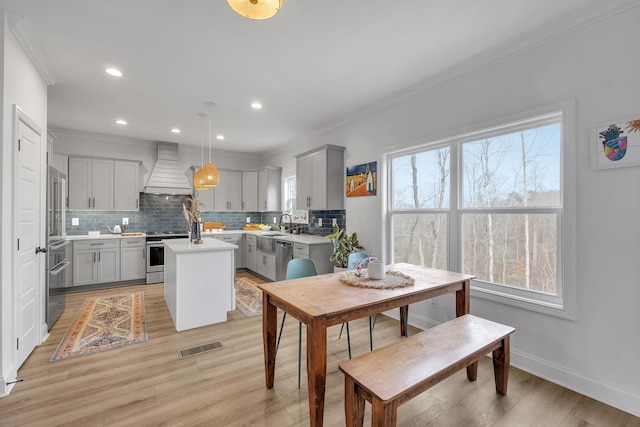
{"x":166,"y":176}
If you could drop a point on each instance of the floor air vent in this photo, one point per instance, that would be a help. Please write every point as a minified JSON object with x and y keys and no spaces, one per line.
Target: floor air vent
{"x":204,"y":348}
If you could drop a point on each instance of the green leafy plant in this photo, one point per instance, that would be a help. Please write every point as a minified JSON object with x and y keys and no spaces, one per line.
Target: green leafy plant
{"x":343,"y":246}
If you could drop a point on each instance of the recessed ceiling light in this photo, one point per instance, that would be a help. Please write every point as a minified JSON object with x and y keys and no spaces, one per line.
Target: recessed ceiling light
{"x":220,"y":137}
{"x":256,"y":105}
{"x":121,"y":122}
{"x":114,"y":72}
{"x":175,"y":130}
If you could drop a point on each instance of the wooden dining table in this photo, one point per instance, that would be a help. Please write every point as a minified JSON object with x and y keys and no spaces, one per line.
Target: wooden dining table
{"x":323,"y":301}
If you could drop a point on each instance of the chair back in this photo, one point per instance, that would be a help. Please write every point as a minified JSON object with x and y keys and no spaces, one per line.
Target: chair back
{"x":300,"y":267}
{"x":354,"y":259}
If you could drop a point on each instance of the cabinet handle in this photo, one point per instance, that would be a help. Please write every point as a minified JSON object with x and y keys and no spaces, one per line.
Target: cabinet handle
{"x":89,"y":202}
{"x":99,"y":256}
{"x":94,"y":257}
{"x":242,"y":205}
{"x":137,"y":207}
{"x":144,"y":253}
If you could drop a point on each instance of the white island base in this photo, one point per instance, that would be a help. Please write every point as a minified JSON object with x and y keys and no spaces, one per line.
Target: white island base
{"x":198,"y":282}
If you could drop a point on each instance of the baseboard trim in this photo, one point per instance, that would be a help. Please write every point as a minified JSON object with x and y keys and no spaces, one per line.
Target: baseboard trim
{"x":613,"y":396}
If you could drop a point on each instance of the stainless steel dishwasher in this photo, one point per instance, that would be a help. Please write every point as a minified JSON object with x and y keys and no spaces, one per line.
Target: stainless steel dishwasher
{"x":284,"y":253}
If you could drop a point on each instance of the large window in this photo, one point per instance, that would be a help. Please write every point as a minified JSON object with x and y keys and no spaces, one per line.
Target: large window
{"x":488,"y":203}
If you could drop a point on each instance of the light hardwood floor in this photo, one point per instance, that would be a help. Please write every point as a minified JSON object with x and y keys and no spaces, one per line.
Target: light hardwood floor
{"x":149,"y":385}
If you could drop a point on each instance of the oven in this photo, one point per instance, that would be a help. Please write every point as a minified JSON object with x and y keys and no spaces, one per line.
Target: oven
{"x":155,"y":254}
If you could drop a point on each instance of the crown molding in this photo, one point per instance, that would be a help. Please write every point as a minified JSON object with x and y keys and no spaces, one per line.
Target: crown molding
{"x":20,"y":28}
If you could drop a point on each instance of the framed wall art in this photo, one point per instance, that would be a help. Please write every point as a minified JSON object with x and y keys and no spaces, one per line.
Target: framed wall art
{"x":362,"y":180}
{"x":616,"y":144}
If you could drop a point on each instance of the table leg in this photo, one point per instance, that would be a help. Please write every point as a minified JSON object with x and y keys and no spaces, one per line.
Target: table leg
{"x":269,"y":331}
{"x":404,"y":321}
{"x":316,"y":369}
{"x":463,"y":297}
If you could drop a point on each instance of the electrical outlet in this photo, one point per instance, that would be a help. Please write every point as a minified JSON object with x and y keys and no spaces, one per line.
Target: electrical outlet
{"x":334,"y":222}
{"x":319,"y":222}
{"x":248,"y":220}
{"x":434,"y":302}
{"x":125,"y":221}
{"x":275,"y":219}
{"x":75,"y":221}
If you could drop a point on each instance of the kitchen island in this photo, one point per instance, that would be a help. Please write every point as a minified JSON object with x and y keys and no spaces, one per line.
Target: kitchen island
{"x":198,"y":282}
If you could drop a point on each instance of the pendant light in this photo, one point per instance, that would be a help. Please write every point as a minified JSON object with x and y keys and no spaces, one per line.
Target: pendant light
{"x":256,"y":9}
{"x":198,"y":177}
{"x":210,"y":174}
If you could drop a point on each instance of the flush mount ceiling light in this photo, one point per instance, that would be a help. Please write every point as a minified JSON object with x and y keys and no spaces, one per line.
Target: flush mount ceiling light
{"x":256,"y":105}
{"x":114,"y":72}
{"x":121,"y":122}
{"x":220,"y":137}
{"x":256,"y":9}
{"x":175,"y":130}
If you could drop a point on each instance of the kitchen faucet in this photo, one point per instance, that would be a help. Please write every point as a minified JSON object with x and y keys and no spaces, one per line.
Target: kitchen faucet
{"x":290,"y":222}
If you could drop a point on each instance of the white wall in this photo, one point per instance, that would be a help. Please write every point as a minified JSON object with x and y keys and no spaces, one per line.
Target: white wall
{"x":597,"y":354}
{"x":22,"y":85}
{"x":84,"y":144}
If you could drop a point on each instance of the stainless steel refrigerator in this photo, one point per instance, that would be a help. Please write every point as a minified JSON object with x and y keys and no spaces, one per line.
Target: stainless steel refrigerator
{"x":59,"y":252}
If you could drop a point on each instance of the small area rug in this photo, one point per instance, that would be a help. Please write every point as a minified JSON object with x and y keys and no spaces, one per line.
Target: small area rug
{"x":248,"y":297}
{"x":104,"y":323}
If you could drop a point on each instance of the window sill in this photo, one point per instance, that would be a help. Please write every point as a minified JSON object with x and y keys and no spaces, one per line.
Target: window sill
{"x":522,"y":302}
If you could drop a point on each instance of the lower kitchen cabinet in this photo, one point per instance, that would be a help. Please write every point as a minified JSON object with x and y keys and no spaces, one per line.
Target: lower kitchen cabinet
{"x":250,"y":252}
{"x":266,"y":265}
{"x":319,"y":253}
{"x":96,"y":261}
{"x":133,"y":253}
{"x":234,"y":239}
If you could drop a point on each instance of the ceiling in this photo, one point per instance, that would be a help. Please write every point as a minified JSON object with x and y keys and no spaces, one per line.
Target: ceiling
{"x":314,"y":65}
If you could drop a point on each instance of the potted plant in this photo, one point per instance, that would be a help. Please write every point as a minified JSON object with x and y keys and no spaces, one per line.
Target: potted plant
{"x":343,"y":246}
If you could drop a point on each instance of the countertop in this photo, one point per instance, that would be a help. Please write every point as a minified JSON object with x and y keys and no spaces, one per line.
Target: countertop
{"x":103,"y":236}
{"x":185,"y":245}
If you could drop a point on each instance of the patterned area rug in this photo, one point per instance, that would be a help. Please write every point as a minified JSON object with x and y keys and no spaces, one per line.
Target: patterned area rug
{"x":248,"y":297}
{"x":104,"y":323}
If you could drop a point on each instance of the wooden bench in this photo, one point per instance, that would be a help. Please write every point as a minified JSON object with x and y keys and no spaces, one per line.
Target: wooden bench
{"x":393,"y":375}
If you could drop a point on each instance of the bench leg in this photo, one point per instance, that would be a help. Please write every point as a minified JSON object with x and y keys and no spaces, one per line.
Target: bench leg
{"x":353,"y":404}
{"x":472,"y":371}
{"x":501,"y":360}
{"x":383,"y":415}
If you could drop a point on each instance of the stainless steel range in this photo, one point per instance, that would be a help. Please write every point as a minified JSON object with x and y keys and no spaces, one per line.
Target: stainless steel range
{"x":155,"y":253}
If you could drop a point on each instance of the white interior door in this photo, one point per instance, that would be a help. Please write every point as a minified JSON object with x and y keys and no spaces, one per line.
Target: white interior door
{"x":29,"y":266}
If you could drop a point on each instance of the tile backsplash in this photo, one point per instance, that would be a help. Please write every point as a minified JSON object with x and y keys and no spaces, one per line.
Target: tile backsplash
{"x":164,"y":213}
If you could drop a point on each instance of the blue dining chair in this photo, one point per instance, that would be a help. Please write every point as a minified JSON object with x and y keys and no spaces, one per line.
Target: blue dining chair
{"x":297,"y":268}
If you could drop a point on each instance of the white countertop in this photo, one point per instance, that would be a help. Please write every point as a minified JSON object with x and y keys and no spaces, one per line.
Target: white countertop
{"x":306,"y":239}
{"x":103,"y":236}
{"x":185,"y":245}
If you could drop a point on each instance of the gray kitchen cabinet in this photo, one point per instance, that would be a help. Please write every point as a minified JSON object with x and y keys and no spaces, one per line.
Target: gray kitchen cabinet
{"x":250,"y":252}
{"x":207,"y":200}
{"x":320,"y":178}
{"x":234,"y":239}
{"x":319,"y":253}
{"x":269,"y":183}
{"x":126,"y":185}
{"x":266,"y":265}
{"x":133,"y":253}
{"x":91,"y":184}
{"x":96,"y":261}
{"x":228,"y":193}
{"x":250,"y":191}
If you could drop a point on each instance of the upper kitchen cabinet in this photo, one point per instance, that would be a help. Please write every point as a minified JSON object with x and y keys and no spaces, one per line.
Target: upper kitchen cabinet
{"x":91,"y":184}
{"x":250,"y":191}
{"x":127,"y":185}
{"x":103,"y":184}
{"x":228,"y":193}
{"x":320,"y":178}
{"x":269,"y":189}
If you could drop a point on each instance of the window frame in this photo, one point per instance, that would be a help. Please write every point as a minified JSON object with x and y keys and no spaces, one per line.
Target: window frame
{"x":560,"y":305}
